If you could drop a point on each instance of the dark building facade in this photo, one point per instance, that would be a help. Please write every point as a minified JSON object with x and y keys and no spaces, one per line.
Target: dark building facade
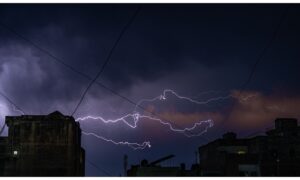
{"x":42,"y":146}
{"x":3,"y":150}
{"x":275,"y":154}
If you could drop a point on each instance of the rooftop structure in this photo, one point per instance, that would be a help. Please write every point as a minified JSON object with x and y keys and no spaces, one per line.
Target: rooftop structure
{"x":274,"y":154}
{"x":42,"y":145}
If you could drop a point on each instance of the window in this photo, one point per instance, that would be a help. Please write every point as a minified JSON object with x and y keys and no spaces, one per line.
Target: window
{"x":241,"y":152}
{"x":15,"y":152}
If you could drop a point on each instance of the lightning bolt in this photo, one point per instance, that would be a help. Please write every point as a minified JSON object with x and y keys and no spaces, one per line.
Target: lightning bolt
{"x":136,"y":116}
{"x":134,"y":146}
{"x":186,"y":131}
{"x":164,"y":97}
{"x":246,"y":98}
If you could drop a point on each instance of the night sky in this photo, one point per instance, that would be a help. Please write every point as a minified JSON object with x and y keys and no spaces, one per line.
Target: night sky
{"x":200,"y":51}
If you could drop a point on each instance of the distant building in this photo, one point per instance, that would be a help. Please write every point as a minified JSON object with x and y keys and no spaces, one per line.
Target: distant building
{"x":42,"y":146}
{"x":153,"y":169}
{"x":276,"y":154}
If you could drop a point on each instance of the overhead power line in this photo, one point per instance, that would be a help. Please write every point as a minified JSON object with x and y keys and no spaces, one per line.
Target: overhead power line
{"x":99,"y":168}
{"x":10,"y":101}
{"x":107,"y":59}
{"x":260,"y":57}
{"x":14,"y":104}
{"x":264,"y":51}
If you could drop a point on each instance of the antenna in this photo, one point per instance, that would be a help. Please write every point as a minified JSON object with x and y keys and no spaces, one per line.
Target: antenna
{"x":125,"y":164}
{"x":196,"y":157}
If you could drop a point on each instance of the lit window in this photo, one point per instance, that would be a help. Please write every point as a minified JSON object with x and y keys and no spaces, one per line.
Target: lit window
{"x":241,"y":152}
{"x":15,"y":153}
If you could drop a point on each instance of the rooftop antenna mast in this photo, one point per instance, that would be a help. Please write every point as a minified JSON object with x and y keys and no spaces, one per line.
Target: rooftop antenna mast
{"x":125,"y":164}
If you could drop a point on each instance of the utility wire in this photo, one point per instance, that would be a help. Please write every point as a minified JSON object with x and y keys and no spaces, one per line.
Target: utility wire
{"x":39,"y":48}
{"x":59,"y":60}
{"x":264,"y":51}
{"x":260,"y":57}
{"x":97,"y":167}
{"x":10,"y":101}
{"x":14,"y":104}
{"x":107,"y":59}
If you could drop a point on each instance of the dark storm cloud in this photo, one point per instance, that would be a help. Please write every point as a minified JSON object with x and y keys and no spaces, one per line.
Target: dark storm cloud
{"x":160,"y":41}
{"x":163,"y":39}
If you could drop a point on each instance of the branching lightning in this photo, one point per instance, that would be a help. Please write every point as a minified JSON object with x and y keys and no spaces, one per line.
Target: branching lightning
{"x":136,"y":116}
{"x":164,"y":97}
{"x":134,"y":146}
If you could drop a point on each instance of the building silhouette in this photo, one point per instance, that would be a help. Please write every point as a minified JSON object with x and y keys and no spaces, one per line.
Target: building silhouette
{"x":154,"y":169}
{"x":275,"y":154}
{"x":42,"y":145}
